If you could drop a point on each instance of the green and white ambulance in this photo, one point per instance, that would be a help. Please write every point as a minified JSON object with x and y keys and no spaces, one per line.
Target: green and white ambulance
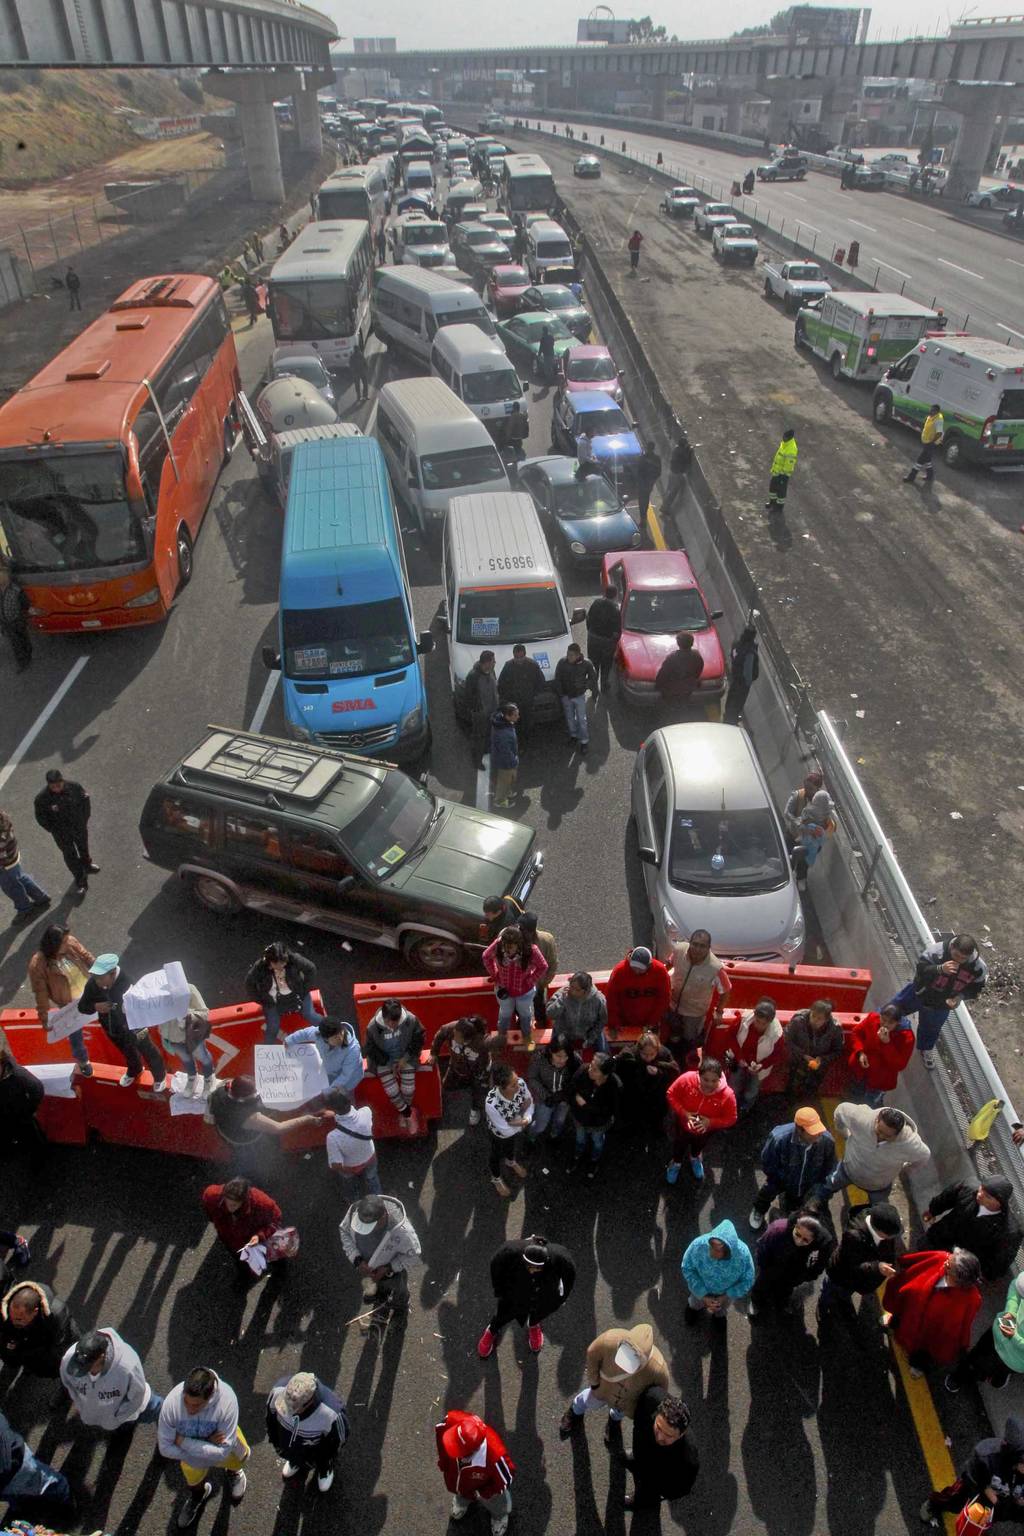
{"x":859,"y":334}
{"x":979,"y":385}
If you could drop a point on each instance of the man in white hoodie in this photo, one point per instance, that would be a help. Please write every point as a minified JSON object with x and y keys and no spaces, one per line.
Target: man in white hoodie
{"x":880,"y":1144}
{"x":199,"y":1427}
{"x":106,"y":1382}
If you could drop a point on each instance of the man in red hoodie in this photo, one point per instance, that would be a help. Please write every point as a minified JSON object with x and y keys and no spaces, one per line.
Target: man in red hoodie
{"x":637,"y":993}
{"x":475,"y":1466}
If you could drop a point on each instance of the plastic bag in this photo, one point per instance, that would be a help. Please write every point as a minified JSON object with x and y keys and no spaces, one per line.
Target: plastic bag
{"x":974,"y":1518}
{"x":282,"y":1244}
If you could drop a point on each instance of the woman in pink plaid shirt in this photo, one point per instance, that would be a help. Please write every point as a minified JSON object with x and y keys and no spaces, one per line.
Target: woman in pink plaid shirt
{"x":515,"y":968}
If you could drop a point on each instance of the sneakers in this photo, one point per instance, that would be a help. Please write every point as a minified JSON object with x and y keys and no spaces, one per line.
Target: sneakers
{"x":752,"y":1307}
{"x":325,"y":1480}
{"x":93,"y":869}
{"x":756,"y":1220}
{"x":928,"y":1057}
{"x":951,"y":1384}
{"x":535,"y":1338}
{"x":237,"y":1484}
{"x":190,"y":1083}
{"x":83,"y":1068}
{"x":289,"y":1470}
{"x":162,"y":1086}
{"x":193,"y":1506}
{"x":485,"y":1344}
{"x":474,"y":1117}
{"x":698,"y":1168}
{"x":126,"y":1081}
{"x":81,"y":888}
{"x":458,"y":1511}
{"x":499,"y":1527}
{"x":672,"y":1173}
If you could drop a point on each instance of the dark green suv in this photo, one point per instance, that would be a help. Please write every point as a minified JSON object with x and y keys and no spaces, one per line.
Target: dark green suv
{"x":334,"y":841}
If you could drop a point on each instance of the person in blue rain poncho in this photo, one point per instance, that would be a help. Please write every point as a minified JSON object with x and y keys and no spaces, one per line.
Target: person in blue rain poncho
{"x":717,"y":1267}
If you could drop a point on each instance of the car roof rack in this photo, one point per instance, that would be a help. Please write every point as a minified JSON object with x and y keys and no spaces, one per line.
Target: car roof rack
{"x":260,"y":762}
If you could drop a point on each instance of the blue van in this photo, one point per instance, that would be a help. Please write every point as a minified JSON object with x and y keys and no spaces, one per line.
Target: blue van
{"x":351,"y":676}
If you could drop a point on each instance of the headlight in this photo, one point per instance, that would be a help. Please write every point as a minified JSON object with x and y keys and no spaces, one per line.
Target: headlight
{"x":617,"y":396}
{"x":669,"y":924}
{"x":578,"y":548}
{"x":145,"y":599}
{"x":796,"y":936}
{"x":411,"y":722}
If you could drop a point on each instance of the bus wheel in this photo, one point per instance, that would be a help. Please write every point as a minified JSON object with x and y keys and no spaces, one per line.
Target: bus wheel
{"x":184,"y":557}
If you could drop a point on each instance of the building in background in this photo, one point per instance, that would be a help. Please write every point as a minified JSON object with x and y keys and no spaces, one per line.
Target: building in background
{"x":374,"y":45}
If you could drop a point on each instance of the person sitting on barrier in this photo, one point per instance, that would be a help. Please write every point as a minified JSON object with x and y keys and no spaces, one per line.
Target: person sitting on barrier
{"x":394,"y":1040}
{"x":339,"y":1050}
{"x":757,"y":1049}
{"x":550,"y":1082}
{"x":282,"y":981}
{"x":103,"y":995}
{"x":977,"y":1217}
{"x":931,"y":1303}
{"x":579,"y":1011}
{"x":186,"y":1039}
{"x":465,"y":1050}
{"x":814,"y":1041}
{"x":57,"y":974}
{"x":236,"y":1109}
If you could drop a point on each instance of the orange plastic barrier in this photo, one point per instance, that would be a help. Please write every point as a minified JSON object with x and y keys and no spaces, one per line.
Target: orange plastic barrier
{"x":797,"y":988}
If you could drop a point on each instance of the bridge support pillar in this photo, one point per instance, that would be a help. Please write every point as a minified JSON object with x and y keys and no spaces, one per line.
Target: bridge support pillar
{"x":254,"y":94}
{"x":307,"y":115}
{"x":980,"y":106}
{"x":540,"y":93}
{"x":733,"y":114}
{"x":659,"y":96}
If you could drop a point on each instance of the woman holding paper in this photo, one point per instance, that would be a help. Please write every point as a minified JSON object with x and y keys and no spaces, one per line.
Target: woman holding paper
{"x":57,"y":974}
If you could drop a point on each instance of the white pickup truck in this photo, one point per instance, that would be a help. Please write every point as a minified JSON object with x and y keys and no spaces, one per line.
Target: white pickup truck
{"x":794,"y":282}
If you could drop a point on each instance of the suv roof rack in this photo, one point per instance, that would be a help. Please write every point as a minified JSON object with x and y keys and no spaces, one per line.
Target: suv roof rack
{"x":260,"y":762}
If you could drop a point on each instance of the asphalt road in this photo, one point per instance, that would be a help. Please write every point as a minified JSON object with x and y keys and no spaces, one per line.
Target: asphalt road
{"x":976,"y":276}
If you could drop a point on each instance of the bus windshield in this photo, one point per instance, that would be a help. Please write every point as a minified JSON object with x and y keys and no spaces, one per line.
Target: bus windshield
{"x":68,"y":513}
{"x":530,"y":192}
{"x":347,"y":641}
{"x":305,"y":311}
{"x":343,"y":203}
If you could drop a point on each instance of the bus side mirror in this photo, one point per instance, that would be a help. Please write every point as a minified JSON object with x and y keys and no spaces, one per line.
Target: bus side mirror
{"x":578,"y":615}
{"x":271,"y":659}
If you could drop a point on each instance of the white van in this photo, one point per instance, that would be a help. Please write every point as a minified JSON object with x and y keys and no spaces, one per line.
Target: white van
{"x":409,"y":305}
{"x":478,"y":369}
{"x":435,"y":448}
{"x":501,"y":588}
{"x":547,"y":245}
{"x":418,"y":176}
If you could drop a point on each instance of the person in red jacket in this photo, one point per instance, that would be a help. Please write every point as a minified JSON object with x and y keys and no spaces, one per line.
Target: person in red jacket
{"x":242,"y":1216}
{"x":476,"y":1467}
{"x":638,"y":993}
{"x":700,"y":1102}
{"x":931,"y":1303}
{"x":880,"y":1047}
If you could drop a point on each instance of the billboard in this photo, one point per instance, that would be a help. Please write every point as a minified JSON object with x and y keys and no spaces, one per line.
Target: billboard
{"x":602,"y":29}
{"x":827,"y":24}
{"x":374,"y":45}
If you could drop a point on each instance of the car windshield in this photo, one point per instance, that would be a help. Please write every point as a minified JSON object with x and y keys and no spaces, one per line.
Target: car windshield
{"x":67,"y":513}
{"x":558,"y":298}
{"x":590,"y":370}
{"x":506,"y":615}
{"x":592,"y":497}
{"x":424,"y":234}
{"x":495,"y":384}
{"x":310,"y":368}
{"x":806,"y":274}
{"x":346,"y":641}
{"x":665,"y":612}
{"x":726,"y":852}
{"x":603,"y":423}
{"x":512,"y":278}
{"x":387,"y":830}
{"x":460,"y":467}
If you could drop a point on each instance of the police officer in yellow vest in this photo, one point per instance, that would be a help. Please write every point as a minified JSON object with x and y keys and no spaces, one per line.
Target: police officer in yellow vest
{"x":931,"y":437}
{"x":783,"y":466}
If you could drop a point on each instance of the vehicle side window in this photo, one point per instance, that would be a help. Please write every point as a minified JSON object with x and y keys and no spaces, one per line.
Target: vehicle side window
{"x":653,"y":772}
{"x":191,"y":821}
{"x":454,"y":381}
{"x":905,"y":370}
{"x":659,"y":809}
{"x":314,"y":852}
{"x":389,"y":432}
{"x":253,"y":835}
{"x":430,"y":326}
{"x":616,"y":579}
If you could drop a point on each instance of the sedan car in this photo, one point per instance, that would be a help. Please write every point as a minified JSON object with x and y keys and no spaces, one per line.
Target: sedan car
{"x":505,"y":287}
{"x":735,"y":242}
{"x":617,"y":448}
{"x":521,"y":335}
{"x":587,"y":165}
{"x":659,"y":596}
{"x":501,"y":224}
{"x":711,"y":845}
{"x":589,"y":368}
{"x":557,"y":299}
{"x":476,"y":248}
{"x":680,"y":202}
{"x":1005,"y":196}
{"x":582,"y":519}
{"x":296,"y":363}
{"x":867,"y":178}
{"x":707,"y":218}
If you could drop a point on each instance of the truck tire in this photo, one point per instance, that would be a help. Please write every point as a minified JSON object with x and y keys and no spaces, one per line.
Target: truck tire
{"x":835,"y":364}
{"x":953,"y":451}
{"x":881,"y":408}
{"x":768,"y":288}
{"x":799,"y":333}
{"x":214,"y":895}
{"x":432,"y":953}
{"x":790,"y":303}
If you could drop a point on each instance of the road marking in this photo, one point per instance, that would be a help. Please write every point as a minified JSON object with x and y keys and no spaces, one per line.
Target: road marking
{"x":1001,"y":326}
{"x":812,"y":227}
{"x":917,"y":222}
{"x":965,"y":270}
{"x":654,"y":526}
{"x":262,"y":708}
{"x":483,"y":790}
{"x":890,"y":268}
{"x":40,"y":720}
{"x":797,"y":195}
{"x":861,"y":225}
{"x":1013,"y":261}
{"x":632,"y":211}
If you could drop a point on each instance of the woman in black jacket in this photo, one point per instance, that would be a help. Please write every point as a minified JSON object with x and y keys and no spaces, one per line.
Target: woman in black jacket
{"x":35,"y":1329}
{"x":790,"y":1252}
{"x":281,"y":982}
{"x":977,"y":1217}
{"x":646,"y":1071}
{"x":594,"y":1096}
{"x":866,"y":1256}
{"x":551,"y":1074}
{"x":531,"y":1279}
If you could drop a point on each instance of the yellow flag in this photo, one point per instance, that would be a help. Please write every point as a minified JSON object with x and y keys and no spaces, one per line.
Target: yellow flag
{"x":984,"y":1120}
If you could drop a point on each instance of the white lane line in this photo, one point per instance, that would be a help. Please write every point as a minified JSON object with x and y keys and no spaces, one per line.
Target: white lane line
{"x":1001,"y":326}
{"x":812,"y":227}
{"x":918,"y":224}
{"x":40,"y":720}
{"x":263,"y":707}
{"x":483,"y":785}
{"x":898,"y":270}
{"x":797,"y":195}
{"x":861,"y":225}
{"x":1013,"y":261}
{"x":965,"y":270}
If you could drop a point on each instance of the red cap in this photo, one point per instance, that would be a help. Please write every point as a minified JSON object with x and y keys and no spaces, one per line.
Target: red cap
{"x":464,"y":1438}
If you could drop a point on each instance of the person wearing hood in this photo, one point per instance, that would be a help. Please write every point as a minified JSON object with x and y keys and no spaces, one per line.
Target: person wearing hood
{"x":531,"y":1278}
{"x":282,"y":981}
{"x":621,"y":1363}
{"x":814,"y":1040}
{"x":797,"y":1160}
{"x":864,"y":1257}
{"x":638,"y":992}
{"x":25,"y":1480}
{"x":35,"y":1329}
{"x":338,"y":1048}
{"x":977,"y":1217}
{"x":21,"y":1094}
{"x":791,"y":1251}
{"x":931,"y":1303}
{"x":550,"y":1078}
{"x":579,"y":1011}
{"x":198,"y":1427}
{"x":948,"y":972}
{"x":880,"y":1145}
{"x":999,"y":1353}
{"x":757,"y":1049}
{"x":467,"y":1050}
{"x":476,"y":1467}
{"x":307,"y":1425}
{"x":744,"y":670}
{"x":106,"y":1382}
{"x":701,"y":1102}
{"x":817,"y":820}
{"x":717,"y":1268}
{"x":881,"y":1045}
{"x":504,"y":754}
{"x":394,"y":1040}
{"x":993,"y":1475}
{"x":381,"y":1244}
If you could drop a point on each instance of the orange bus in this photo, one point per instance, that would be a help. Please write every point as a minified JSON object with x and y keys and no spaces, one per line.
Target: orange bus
{"x":108,"y":457}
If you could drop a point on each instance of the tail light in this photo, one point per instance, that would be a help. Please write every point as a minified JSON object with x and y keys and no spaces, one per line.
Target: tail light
{"x":986,"y":432}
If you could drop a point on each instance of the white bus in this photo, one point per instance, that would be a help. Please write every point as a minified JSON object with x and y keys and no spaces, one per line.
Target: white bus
{"x":372,"y":107}
{"x":319,"y":290}
{"x":358,"y":192}
{"x":527,"y":186}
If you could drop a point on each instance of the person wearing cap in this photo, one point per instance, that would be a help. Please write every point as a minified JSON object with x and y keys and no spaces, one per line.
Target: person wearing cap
{"x":797,"y":1160}
{"x":531,"y":1279}
{"x":881,"y":1045}
{"x":338,"y":1049}
{"x":63,"y":808}
{"x":307,"y":1425}
{"x":476,"y":1467}
{"x":638,"y":993}
{"x":57,"y":974}
{"x":198,"y":1427}
{"x":103,"y":995}
{"x":814,"y":1040}
{"x":35,"y":1329}
{"x":999,"y":1353}
{"x":620,"y":1364}
{"x":106,"y":1382}
{"x":783,"y":467}
{"x":791,"y":1251}
{"x":977,"y":1217}
{"x":948,"y":972}
{"x":717,"y":1268}
{"x":863,"y":1258}
{"x":931,"y":1303}
{"x":698,"y":980}
{"x":880,"y":1145}
{"x":381,"y":1244}
{"x":700,"y":1102}
{"x":663,"y":1461}
{"x":756,"y":1050}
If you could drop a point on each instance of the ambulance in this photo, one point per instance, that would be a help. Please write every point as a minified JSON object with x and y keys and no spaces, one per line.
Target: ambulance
{"x":860,"y":334}
{"x":979,"y":385}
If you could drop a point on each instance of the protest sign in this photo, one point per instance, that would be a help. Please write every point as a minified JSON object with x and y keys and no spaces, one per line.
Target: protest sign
{"x":286,"y":1078}
{"x":157,"y":997}
{"x":61,"y":1022}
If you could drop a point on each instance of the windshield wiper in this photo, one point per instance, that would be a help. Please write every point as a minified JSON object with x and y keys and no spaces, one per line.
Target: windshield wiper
{"x":420,"y":845}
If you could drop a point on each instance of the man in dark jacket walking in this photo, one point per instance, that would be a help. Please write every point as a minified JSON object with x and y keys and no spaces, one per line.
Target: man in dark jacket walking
{"x":648,"y":473}
{"x":604,"y":626}
{"x":35,"y":1330}
{"x":481,"y":699}
{"x":664,"y":1463}
{"x":531,"y":1279}
{"x":948,"y":972}
{"x":504,"y":754}
{"x":360,"y":373}
{"x":744,"y":667}
{"x":14,"y":618}
{"x":678,"y":467}
{"x":63,"y":809}
{"x":573,"y":676}
{"x":519,"y":683}
{"x":680,"y":673}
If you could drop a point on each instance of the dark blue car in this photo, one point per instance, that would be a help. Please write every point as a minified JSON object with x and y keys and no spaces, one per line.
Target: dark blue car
{"x":616,"y":446}
{"x":583,"y":520}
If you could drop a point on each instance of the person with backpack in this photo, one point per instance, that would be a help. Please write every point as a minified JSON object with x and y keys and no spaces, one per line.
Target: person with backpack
{"x":744,"y":668}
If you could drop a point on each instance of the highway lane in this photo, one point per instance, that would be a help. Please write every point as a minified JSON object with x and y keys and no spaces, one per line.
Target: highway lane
{"x":975,"y":276}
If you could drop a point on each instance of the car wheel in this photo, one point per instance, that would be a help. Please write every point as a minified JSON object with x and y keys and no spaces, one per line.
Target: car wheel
{"x":229,"y":442}
{"x":215,"y":896}
{"x":882,"y":409}
{"x":185,"y":562}
{"x":986,"y":202}
{"x":432,"y":952}
{"x":767,"y":288}
{"x":953,"y":451}
{"x":799,"y":333}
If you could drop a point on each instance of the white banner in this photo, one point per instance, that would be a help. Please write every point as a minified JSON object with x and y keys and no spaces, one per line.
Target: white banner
{"x":61,"y":1022}
{"x":157,"y":997}
{"x":287,"y":1078}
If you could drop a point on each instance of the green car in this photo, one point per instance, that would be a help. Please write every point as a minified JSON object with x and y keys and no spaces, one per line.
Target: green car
{"x":521,"y":339}
{"x":335,"y":841}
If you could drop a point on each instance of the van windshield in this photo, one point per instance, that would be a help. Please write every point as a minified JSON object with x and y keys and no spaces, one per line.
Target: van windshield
{"x":752,"y":855}
{"x":485,"y":388}
{"x":424,"y":234}
{"x":1011,"y":406}
{"x":387,"y":830}
{"x":460,"y":468}
{"x":547,"y":249}
{"x":478,"y":317}
{"x":348,"y":641}
{"x":506,"y":615}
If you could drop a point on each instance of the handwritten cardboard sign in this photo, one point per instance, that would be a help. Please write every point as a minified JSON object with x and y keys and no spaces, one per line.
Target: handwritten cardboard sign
{"x":62,"y":1022}
{"x":287,"y":1078}
{"x":157,"y":997}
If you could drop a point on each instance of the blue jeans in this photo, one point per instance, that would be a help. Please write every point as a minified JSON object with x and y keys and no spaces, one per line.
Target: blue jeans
{"x":575,"y":712}
{"x":811,"y":846}
{"x":929,"y":1020}
{"x":586,"y":1134}
{"x":520,"y":1007}
{"x":272,"y":1018}
{"x":839,"y":1178}
{"x":35,"y":1480}
{"x":18,"y":884}
{"x":745,"y":1086}
{"x":151,"y":1412}
{"x":189,"y":1059}
{"x":79,"y":1049}
{"x":547,"y":1116}
{"x":365,"y":1182}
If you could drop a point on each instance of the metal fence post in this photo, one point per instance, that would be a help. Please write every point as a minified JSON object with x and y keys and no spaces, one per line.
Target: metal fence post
{"x":53,"y":237}
{"x":28,"y":253}
{"x":78,"y":232}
